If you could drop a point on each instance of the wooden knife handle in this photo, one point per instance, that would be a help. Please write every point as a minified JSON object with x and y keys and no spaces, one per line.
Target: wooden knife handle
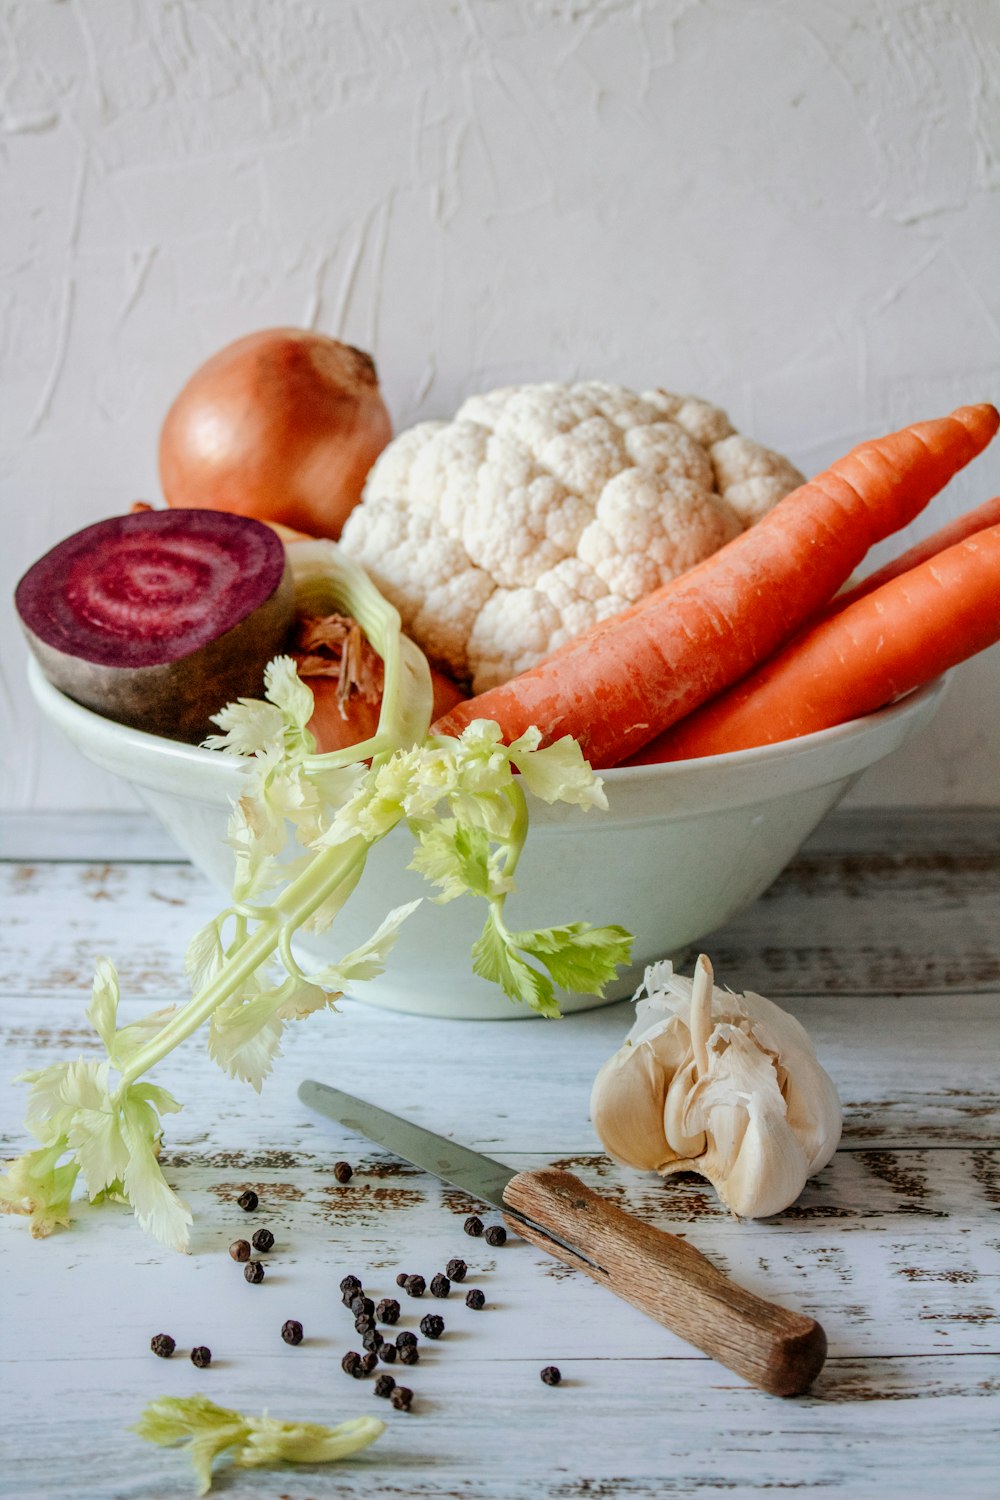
{"x":664,"y":1276}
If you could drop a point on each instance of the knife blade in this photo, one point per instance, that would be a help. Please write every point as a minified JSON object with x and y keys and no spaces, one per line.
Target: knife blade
{"x":774,"y":1348}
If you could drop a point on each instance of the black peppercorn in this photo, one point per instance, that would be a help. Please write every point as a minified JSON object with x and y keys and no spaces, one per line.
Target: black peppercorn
{"x":456,"y":1269}
{"x":372,"y":1339}
{"x":550,"y":1375}
{"x":409,"y":1355}
{"x":402,"y":1339}
{"x":254,"y":1272}
{"x":402,"y":1398}
{"x":440,"y":1285}
{"x":349,"y":1363}
{"x":291,"y":1331}
{"x":402,"y":1278}
{"x":384,"y":1385}
{"x":432,"y":1326}
{"x":248,"y":1201}
{"x":475,"y":1298}
{"x":473,"y":1225}
{"x":387,"y":1311}
{"x":263,"y":1240}
{"x":387,"y":1353}
{"x":201,"y":1357}
{"x":364,"y":1324}
{"x":496,"y":1235}
{"x":162,"y":1344}
{"x":350,"y":1284}
{"x":362,"y":1306}
{"x":415,"y":1286}
{"x":240,"y":1249}
{"x":368,"y":1362}
{"x":343,"y":1171}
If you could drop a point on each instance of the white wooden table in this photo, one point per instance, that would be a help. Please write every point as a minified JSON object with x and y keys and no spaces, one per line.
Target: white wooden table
{"x":883,"y":937}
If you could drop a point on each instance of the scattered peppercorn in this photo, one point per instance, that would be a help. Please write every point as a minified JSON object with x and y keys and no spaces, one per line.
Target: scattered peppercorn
{"x":343,"y":1171}
{"x":409,"y":1355}
{"x":362,"y":1306}
{"x":368,"y":1362}
{"x":475,"y":1298}
{"x":387,"y":1311}
{"x":201,"y":1356}
{"x":387,"y":1353}
{"x":350,"y":1284}
{"x":496,"y":1235}
{"x":291,"y":1331}
{"x":240,"y":1249}
{"x":372,"y":1339}
{"x":550,"y":1375}
{"x":473,"y":1225}
{"x":254,"y":1272}
{"x":402,"y":1278}
{"x":402,"y":1339}
{"x":432,"y":1326}
{"x":248,"y":1201}
{"x":402,"y":1398}
{"x":384,"y":1385}
{"x":456,"y":1269}
{"x":263,"y":1240}
{"x":440,"y":1285}
{"x":364,"y":1324}
{"x":415,"y":1286}
{"x":350,"y":1362}
{"x":162,"y":1344}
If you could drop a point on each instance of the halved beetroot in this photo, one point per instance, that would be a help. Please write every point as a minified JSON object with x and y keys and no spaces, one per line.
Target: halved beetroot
{"x":159,"y":618}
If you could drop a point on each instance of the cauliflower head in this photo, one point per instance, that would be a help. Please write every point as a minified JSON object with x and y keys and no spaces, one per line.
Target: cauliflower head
{"x":540,"y":509}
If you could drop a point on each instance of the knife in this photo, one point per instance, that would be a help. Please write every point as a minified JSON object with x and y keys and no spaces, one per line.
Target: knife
{"x":780,"y":1351}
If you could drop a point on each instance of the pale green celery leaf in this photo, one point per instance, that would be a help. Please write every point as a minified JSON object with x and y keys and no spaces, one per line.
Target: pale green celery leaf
{"x":205,"y":955}
{"x":128,"y":1039}
{"x":284,"y":687}
{"x":37,"y":1186}
{"x":157,"y":1207}
{"x":155,"y":1094}
{"x":102,"y":1011}
{"x":559,"y":773}
{"x":58,"y":1091}
{"x":210,"y":1430}
{"x":580,"y":958}
{"x":454,"y":857}
{"x":96,"y":1139}
{"x":328,"y":910}
{"x":494,"y":959}
{"x":244,"y":1036}
{"x":249,"y":727}
{"x":367,"y":961}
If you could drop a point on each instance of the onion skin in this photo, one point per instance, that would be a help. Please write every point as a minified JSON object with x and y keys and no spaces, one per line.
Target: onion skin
{"x":282,"y":425}
{"x":333,"y":731}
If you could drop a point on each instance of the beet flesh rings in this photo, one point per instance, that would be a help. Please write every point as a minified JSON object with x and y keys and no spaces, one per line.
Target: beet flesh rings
{"x":159,"y":618}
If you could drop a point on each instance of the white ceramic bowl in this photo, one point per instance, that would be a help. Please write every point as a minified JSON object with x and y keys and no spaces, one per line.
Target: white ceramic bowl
{"x":683,"y":848}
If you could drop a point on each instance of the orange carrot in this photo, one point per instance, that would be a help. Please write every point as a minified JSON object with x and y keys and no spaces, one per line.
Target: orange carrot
{"x":624,"y":681}
{"x":987,"y":514}
{"x":866,"y":655}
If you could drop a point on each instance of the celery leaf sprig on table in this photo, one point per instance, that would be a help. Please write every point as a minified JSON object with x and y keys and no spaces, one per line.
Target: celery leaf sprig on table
{"x":463,"y":801}
{"x":210,"y":1431}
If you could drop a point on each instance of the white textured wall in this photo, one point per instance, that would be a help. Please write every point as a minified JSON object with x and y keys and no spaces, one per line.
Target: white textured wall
{"x":789,"y":208}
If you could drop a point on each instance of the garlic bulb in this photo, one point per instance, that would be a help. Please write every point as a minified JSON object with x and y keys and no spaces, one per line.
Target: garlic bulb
{"x":724,"y":1085}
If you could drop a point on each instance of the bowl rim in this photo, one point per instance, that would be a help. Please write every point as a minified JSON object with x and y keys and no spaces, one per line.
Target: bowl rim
{"x":66,"y":712}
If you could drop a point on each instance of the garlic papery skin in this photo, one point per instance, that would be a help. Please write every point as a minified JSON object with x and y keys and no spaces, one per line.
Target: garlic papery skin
{"x":725,"y":1085}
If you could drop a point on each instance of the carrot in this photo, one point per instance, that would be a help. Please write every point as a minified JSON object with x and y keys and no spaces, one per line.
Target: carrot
{"x":987,"y":514}
{"x":869,"y":653}
{"x":624,"y":681}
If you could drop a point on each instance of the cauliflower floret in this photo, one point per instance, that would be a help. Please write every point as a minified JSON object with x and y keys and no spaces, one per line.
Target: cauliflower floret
{"x":752,"y":478}
{"x":542,"y":509}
